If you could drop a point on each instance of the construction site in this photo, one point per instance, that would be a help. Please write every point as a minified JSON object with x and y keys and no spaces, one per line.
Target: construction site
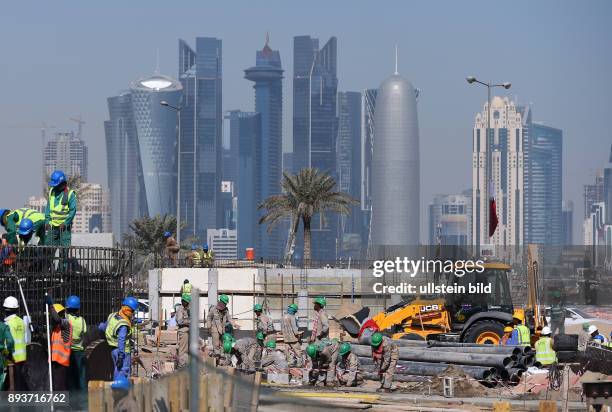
{"x":448,"y":347}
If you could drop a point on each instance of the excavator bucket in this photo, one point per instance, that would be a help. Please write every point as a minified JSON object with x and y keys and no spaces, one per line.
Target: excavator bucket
{"x":351,"y":317}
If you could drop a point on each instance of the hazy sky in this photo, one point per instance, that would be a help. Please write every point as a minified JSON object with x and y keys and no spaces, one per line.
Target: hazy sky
{"x":63,"y":59}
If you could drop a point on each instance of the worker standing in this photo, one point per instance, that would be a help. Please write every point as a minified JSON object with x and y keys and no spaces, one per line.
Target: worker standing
{"x":218,"y":318}
{"x":7,"y":346}
{"x":30,"y":226}
{"x":17,"y":327}
{"x":349,"y":368}
{"x":208,"y":256}
{"x":172,"y":248}
{"x":61,"y":343}
{"x":183,"y":322}
{"x":385,"y":355}
{"x":273,"y":360}
{"x":320,"y":325}
{"x":60,"y":211}
{"x":77,"y":372}
{"x":194,"y":258}
{"x":118,"y":329}
{"x":557,"y":314}
{"x":263,"y":323}
{"x":521,"y":334}
{"x":324,"y":357}
{"x":584,"y":337}
{"x":596,"y":336}
{"x":292,"y":337}
{"x":507,"y":336}
{"x":545,"y":354}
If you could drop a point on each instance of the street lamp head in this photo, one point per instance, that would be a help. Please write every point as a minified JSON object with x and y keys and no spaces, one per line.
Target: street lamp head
{"x":470,"y":79}
{"x":507,"y":85}
{"x":163,"y":103}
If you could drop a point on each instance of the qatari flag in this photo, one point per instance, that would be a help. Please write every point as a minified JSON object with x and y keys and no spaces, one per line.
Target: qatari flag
{"x":492,"y":210}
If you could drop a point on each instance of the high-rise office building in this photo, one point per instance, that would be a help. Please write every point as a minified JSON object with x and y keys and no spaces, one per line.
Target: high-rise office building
{"x":450,"y":219}
{"x":315,"y":86}
{"x":200,"y":72}
{"x":368,"y":106}
{"x":288,"y":162}
{"x":502,"y":178}
{"x":267,"y":75}
{"x":607,"y":189}
{"x":593,"y":193}
{"x":223,"y":242}
{"x":567,"y":222}
{"x":65,"y":152}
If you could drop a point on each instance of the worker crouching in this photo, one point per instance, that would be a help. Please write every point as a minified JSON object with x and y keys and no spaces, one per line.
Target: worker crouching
{"x":545,"y":354}
{"x":324,"y":356}
{"x":385,"y":355}
{"x":117,"y":329}
{"x":272,"y":359}
{"x":348,"y":370}
{"x":246,"y":350}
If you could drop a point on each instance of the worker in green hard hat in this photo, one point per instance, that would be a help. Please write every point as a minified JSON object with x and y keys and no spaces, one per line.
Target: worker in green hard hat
{"x":218,"y":318}
{"x":183,"y":321}
{"x":292,"y":337}
{"x":246,"y":350}
{"x":263,"y":323}
{"x":324,"y":356}
{"x":385,"y":355}
{"x":272,"y":359}
{"x":320,"y":324}
{"x":349,"y":367}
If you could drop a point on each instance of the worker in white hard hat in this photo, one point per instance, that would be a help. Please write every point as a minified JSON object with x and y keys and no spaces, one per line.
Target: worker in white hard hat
{"x":596,"y":336}
{"x":545,"y":354}
{"x":18,"y":331}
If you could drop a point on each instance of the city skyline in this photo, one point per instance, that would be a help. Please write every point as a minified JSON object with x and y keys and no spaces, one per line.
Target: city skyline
{"x":445,"y":110}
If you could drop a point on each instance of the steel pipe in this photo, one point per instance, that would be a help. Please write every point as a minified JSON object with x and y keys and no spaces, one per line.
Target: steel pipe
{"x":431,"y":369}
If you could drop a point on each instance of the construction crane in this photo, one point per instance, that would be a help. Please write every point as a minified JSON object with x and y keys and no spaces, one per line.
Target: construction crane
{"x":79,"y":120}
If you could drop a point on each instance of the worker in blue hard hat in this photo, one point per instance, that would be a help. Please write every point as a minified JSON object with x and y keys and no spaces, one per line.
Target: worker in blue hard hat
{"x":172,"y":248}
{"x":11,"y":220}
{"x":118,"y":329}
{"x":31,"y":226}
{"x":77,"y":371}
{"x":194,"y":259}
{"x":60,"y":211}
{"x":208,"y":256}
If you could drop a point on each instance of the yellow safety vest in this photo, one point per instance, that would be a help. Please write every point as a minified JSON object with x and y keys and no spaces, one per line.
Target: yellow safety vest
{"x":186,"y":288}
{"x":17,"y":327}
{"x":31,"y":214}
{"x":524,"y":336}
{"x":59,"y":209}
{"x":112,"y":327}
{"x":545,"y":354}
{"x":79,"y":327}
{"x":196,"y":258}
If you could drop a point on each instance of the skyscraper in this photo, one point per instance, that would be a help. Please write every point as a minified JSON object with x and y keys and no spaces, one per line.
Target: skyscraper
{"x":200,"y":73}
{"x":505,"y":179}
{"x":567,"y":225}
{"x":65,"y":152}
{"x":593,"y":193}
{"x":368,"y":106}
{"x":607,"y":190}
{"x":395,"y":170}
{"x":450,"y":219}
{"x":315,"y":86}
{"x":267,"y":75}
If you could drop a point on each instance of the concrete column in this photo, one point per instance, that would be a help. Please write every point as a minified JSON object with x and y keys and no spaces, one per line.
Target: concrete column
{"x":213,"y":286}
{"x":303,"y":308}
{"x":154,"y":298}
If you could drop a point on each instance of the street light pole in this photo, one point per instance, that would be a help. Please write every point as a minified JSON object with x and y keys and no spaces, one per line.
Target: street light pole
{"x":178,"y":166}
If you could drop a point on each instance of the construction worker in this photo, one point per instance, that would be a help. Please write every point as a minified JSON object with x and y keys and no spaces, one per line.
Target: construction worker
{"x":273,"y":360}
{"x":385,"y":355}
{"x":7,"y":254}
{"x":194,"y":259}
{"x":263,"y":323}
{"x":60,"y":211}
{"x":186,"y":287}
{"x":557,"y":314}
{"x":12,"y":220}
{"x":30,"y":226}
{"x":521,"y":334}
{"x":208,"y":256}
{"x":596,"y":336}
{"x":225,"y":359}
{"x":172,"y":248}
{"x":218,"y":318}
{"x":183,"y":322}
{"x":18,"y":332}
{"x":348,"y":368}
{"x":584,"y":337}
{"x":324,"y":356}
{"x":320,"y":324}
{"x":77,"y":372}
{"x":61,"y":343}
{"x":545,"y":354}
{"x":118,"y":329}
{"x":123,"y":399}
{"x":292,"y":337}
{"x":7,"y":346}
{"x":507,"y":336}
{"x":247,"y":351}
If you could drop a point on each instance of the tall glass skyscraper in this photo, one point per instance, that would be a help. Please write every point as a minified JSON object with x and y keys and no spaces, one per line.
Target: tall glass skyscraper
{"x":200,"y":73}
{"x":315,"y":86}
{"x":267,"y":74}
{"x":65,"y":152}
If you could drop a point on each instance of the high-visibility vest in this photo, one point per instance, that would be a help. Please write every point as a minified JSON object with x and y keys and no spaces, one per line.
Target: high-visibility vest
{"x":25,"y":213}
{"x":60,"y":349}
{"x":112,"y":329}
{"x":79,"y":327}
{"x":186,"y":288}
{"x":59,"y":209}
{"x":17,"y":327}
{"x":524,"y":336}
{"x":196,"y":258}
{"x":545,"y":354}
{"x":207,"y":255}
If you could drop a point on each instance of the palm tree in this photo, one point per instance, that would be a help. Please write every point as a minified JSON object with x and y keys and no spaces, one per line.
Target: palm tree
{"x":306,"y":194}
{"x":148,"y":233}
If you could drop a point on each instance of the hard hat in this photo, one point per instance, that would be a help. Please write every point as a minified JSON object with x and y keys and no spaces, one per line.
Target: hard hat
{"x":11,"y":302}
{"x":167,"y":234}
{"x":593,"y":329}
{"x":345,"y":348}
{"x":194,"y":247}
{"x":546,"y":330}
{"x":205,"y":246}
{"x":58,"y":307}
{"x":130,"y":302}
{"x":121,"y":383}
{"x":585,"y":326}
{"x":227,"y":346}
{"x":311,"y":350}
{"x":73,"y":302}
{"x":57,"y":177}
{"x":257,"y":307}
{"x":320,"y":300}
{"x":271,"y":344}
{"x":376,"y":339}
{"x":224,"y":299}
{"x":186,"y":297}
{"x":227,"y":336}
{"x":26,"y":226}
{"x":293,"y":308}
{"x":260,"y":335}
{"x":508,"y":329}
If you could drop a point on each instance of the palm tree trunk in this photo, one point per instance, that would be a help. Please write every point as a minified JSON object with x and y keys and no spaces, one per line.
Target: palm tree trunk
{"x":307,"y":241}
{"x":290,"y":247}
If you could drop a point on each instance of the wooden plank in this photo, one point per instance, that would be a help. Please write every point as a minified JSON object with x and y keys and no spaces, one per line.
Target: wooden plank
{"x":174,"y":392}
{"x":548,"y":406}
{"x":228,"y":388}
{"x":204,"y":393}
{"x":501,"y":406}
{"x":109,"y":400}
{"x":215,"y":392}
{"x":159,"y":395}
{"x":255,"y":392}
{"x":95,"y":396}
{"x":185,"y":388}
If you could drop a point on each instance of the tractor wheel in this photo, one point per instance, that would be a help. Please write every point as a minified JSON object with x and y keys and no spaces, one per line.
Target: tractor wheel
{"x":484,"y":332}
{"x":412,"y":336}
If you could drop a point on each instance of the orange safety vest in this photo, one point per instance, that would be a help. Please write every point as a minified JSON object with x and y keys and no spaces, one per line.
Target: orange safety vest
{"x":60,"y":350}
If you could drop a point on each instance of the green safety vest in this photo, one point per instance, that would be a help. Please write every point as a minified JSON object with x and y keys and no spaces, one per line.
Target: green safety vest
{"x":17,"y":327}
{"x":545,"y":354}
{"x":524,"y":336}
{"x":112,"y":327}
{"x":59,"y":209}
{"x":79,"y":327}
